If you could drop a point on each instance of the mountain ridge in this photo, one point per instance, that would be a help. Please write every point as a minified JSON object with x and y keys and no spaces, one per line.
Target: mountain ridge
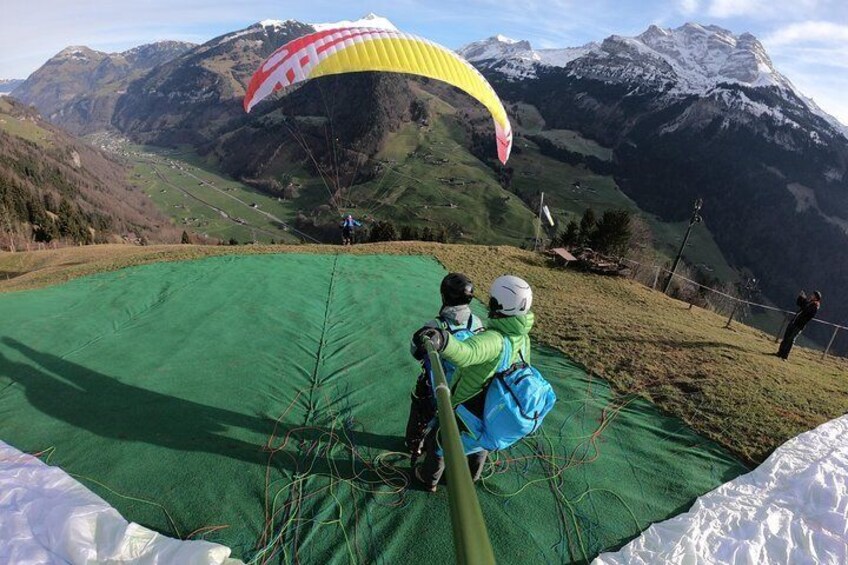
{"x":690,"y":59}
{"x":78,"y":87}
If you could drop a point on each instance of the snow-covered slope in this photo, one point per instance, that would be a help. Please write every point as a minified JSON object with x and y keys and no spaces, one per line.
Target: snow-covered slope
{"x":50,"y":517}
{"x":791,"y":509}
{"x":7,"y":85}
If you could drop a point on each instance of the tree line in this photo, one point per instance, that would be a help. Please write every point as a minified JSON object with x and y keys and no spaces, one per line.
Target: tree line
{"x":610,"y":234}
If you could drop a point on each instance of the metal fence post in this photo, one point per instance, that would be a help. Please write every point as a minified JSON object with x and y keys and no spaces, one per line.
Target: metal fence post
{"x":833,"y":337}
{"x":732,"y":312}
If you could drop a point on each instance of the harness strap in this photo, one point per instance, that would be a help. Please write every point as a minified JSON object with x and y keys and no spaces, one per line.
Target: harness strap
{"x":446,"y":325}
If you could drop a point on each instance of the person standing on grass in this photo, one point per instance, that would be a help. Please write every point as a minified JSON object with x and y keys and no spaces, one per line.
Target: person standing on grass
{"x":808,"y":308}
{"x":349,"y":226}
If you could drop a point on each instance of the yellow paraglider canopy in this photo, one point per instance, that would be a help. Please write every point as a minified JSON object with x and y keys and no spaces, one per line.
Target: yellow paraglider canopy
{"x":356,"y":49}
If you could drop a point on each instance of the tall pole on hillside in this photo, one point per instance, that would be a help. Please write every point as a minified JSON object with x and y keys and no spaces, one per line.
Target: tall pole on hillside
{"x":695,"y":219}
{"x":539,"y":225}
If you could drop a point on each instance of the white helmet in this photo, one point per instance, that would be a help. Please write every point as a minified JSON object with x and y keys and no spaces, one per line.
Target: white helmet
{"x":510,"y":296}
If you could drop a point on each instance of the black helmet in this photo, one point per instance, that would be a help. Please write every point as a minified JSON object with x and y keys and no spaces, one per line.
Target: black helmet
{"x":457,"y":290}
{"x":817,"y":295}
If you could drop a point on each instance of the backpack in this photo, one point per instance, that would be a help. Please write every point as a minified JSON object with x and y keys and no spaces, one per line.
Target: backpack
{"x":517,"y":400}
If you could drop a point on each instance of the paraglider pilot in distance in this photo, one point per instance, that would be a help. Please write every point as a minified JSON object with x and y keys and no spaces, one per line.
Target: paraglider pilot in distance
{"x":455,"y":316}
{"x":808,"y":308}
{"x":498,"y":397}
{"x":349,"y":226}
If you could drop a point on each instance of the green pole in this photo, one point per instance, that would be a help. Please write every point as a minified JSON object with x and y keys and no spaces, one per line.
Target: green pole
{"x":470,"y":537}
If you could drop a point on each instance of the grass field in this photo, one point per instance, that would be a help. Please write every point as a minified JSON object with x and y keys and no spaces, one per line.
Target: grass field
{"x":723,"y":382}
{"x":22,"y":127}
{"x":576,"y":143}
{"x":200,"y":200}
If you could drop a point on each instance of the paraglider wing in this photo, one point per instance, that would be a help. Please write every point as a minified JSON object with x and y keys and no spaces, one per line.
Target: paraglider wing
{"x":358,"y":49}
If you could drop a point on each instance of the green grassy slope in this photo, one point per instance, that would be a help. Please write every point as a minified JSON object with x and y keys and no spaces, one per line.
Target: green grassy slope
{"x":13,"y":123}
{"x":201,"y":201}
{"x":430,"y":179}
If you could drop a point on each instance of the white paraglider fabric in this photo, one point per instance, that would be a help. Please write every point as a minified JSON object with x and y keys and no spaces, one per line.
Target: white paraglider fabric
{"x":46,"y":516}
{"x":791,"y":509}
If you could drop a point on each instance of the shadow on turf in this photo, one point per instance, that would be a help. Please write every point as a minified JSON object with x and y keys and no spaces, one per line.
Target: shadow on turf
{"x":109,"y":408}
{"x":679,"y":344}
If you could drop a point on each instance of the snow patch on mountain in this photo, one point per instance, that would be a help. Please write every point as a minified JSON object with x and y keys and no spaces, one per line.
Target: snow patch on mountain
{"x":371,"y":20}
{"x":7,"y":85}
{"x":79,"y":53}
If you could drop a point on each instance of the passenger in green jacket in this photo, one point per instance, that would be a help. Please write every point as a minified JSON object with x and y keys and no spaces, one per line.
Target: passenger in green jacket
{"x":476,"y":359}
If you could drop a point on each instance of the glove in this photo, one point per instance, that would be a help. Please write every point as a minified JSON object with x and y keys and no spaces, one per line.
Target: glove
{"x":438,"y":338}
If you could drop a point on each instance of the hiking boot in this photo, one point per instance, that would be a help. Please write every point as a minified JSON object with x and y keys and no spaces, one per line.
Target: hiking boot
{"x":426,"y":486}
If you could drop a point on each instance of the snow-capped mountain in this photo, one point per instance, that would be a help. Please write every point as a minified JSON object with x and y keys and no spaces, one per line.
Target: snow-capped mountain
{"x":688,"y":60}
{"x":278,"y":27}
{"x":691,"y":58}
{"x":516,"y":59}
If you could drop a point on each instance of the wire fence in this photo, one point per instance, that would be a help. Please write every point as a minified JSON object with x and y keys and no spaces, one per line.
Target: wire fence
{"x":820,"y":335}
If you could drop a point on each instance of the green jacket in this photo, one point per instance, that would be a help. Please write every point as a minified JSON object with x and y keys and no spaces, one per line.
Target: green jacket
{"x":477,"y":357}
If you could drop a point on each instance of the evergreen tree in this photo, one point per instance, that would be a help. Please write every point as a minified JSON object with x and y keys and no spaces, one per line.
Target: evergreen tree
{"x":409,"y":233}
{"x":612,"y":234}
{"x":571,"y":236}
{"x":383,"y":231}
{"x":185,"y":238}
{"x":588,"y":225}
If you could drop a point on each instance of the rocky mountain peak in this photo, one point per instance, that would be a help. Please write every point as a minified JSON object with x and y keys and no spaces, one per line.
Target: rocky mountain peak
{"x":153,"y":54}
{"x":703,"y":56}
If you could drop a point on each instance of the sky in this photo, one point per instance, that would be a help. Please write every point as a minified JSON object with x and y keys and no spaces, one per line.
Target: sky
{"x":806,"y":39}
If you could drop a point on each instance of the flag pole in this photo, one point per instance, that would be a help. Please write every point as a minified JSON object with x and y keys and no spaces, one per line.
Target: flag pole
{"x":539,"y":225}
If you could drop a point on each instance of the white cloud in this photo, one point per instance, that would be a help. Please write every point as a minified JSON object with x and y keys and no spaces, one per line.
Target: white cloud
{"x":814,"y":55}
{"x":808,"y":32}
{"x":689,"y":7}
{"x":763,"y":9}
{"x":731,"y":8}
